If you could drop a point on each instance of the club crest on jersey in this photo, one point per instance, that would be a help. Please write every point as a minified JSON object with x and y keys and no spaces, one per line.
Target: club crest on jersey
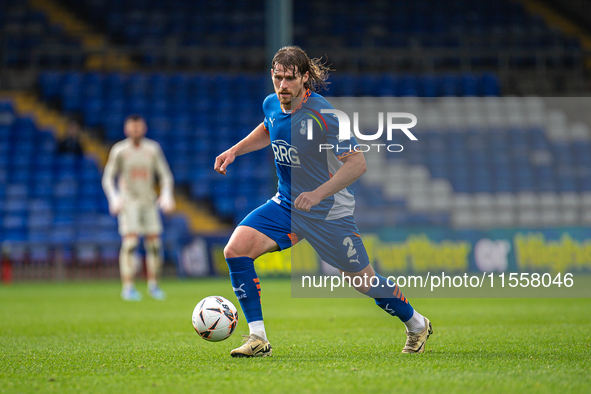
{"x":319,"y":120}
{"x":285,"y":154}
{"x":303,"y":127}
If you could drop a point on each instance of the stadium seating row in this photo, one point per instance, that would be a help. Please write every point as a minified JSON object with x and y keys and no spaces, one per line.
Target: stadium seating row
{"x":378,"y":24}
{"x":163,"y":93}
{"x":210,"y":23}
{"x":24,"y":32}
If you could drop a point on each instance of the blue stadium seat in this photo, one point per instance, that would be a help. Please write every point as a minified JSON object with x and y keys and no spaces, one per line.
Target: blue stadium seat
{"x":43,"y":189}
{"x":15,"y":227}
{"x":429,"y":86}
{"x":40,"y":222}
{"x":567,"y":184}
{"x":469,"y":85}
{"x":490,"y":85}
{"x":17,"y":191}
{"x":15,"y":206}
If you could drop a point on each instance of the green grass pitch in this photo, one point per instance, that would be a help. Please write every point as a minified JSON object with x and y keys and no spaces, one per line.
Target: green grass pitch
{"x":80,"y":337}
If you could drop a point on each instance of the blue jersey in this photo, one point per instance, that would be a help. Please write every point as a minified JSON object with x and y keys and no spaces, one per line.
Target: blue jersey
{"x":301,"y":164}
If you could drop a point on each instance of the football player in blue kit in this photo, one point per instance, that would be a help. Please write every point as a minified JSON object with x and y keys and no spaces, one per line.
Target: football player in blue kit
{"x":313,"y":201}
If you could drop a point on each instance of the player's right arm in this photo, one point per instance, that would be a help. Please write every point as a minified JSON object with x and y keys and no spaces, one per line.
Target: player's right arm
{"x":108,"y":181}
{"x":258,"y":139}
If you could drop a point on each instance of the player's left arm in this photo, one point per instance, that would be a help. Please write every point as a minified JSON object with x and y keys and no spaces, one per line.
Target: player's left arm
{"x":166,"y":200}
{"x":353,"y":167}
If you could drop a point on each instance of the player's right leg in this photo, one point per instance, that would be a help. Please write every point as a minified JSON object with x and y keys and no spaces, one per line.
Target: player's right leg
{"x":127,"y":267}
{"x":265,"y":230}
{"x":151,"y":226}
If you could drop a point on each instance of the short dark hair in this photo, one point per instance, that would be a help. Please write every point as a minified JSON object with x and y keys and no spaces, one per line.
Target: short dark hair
{"x":295,"y":59}
{"x":134,"y":118}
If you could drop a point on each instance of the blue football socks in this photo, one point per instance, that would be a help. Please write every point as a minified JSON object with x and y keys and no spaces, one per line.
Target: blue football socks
{"x":397,"y":305}
{"x":246,"y":287}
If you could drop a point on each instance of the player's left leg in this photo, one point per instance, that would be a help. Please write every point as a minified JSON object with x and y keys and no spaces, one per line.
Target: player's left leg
{"x":389,"y":297}
{"x":339,"y":243}
{"x":128,"y":266}
{"x":151,"y":225}
{"x":153,"y":246}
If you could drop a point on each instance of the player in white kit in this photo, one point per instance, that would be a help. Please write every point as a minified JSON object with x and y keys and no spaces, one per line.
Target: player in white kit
{"x":136,"y":160}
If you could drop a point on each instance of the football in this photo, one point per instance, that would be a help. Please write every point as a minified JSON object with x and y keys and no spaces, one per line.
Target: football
{"x":215,"y":318}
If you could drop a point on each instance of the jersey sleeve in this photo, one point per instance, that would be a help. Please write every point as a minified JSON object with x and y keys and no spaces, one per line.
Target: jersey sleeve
{"x":112,"y":169}
{"x":266,"y":111}
{"x":330,"y":133}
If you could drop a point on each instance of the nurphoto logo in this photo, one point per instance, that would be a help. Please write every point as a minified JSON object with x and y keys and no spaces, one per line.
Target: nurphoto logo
{"x":345,"y":130}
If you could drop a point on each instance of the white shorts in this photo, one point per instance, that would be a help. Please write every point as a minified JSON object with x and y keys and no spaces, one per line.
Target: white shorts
{"x":139,"y":219}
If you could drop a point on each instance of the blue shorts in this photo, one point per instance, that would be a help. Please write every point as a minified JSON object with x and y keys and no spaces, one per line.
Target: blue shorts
{"x":337,"y":242}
